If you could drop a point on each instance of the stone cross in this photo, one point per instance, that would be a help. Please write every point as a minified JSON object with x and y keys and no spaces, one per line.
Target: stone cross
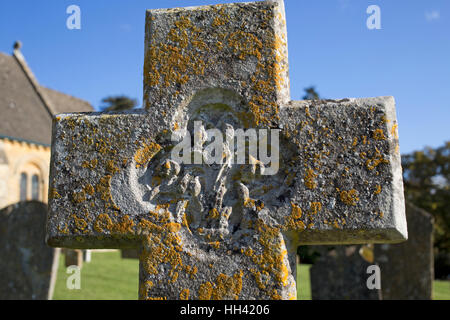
{"x":224,"y":231}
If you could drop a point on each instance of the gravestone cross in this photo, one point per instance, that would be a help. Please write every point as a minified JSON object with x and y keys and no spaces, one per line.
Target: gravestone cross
{"x":224,"y":230}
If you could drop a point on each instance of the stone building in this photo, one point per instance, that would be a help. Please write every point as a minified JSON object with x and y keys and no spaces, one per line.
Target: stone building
{"x":26,"y":111}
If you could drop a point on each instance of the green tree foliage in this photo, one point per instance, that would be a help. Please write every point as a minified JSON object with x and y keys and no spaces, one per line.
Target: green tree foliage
{"x":311,"y":94}
{"x":118,"y":103}
{"x":426,"y":177}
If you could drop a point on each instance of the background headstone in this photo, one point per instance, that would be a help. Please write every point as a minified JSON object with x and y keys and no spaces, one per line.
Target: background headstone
{"x":407,"y":268}
{"x":129,"y":253}
{"x":28,"y":267}
{"x":341,"y":274}
{"x":73,"y":258}
{"x":87,"y":255}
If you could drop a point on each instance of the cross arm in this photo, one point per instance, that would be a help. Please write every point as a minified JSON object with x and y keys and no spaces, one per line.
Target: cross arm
{"x":346,"y":176}
{"x":89,"y":153}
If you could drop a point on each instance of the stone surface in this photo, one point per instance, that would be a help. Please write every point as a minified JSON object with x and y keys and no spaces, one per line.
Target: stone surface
{"x":73,"y":258}
{"x":341,"y":274}
{"x":224,"y":231}
{"x":28,"y":267}
{"x":407,"y":268}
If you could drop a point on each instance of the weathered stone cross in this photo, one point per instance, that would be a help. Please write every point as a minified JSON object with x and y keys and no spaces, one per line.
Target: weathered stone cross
{"x":224,"y":231}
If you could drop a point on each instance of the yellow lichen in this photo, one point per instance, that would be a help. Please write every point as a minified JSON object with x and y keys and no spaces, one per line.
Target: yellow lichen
{"x":350,"y":197}
{"x":378,"y":134}
{"x":184,"y":294}
{"x":309,"y":177}
{"x":377,"y":189}
{"x":143,"y":155}
{"x":315,"y":207}
{"x":102,"y":223}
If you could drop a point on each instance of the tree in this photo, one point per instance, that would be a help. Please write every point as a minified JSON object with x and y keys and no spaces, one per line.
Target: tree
{"x":118,"y":103}
{"x":311,"y":94}
{"x":426,"y":179}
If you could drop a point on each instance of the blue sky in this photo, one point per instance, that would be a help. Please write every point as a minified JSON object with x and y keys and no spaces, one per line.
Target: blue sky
{"x":329,"y":47}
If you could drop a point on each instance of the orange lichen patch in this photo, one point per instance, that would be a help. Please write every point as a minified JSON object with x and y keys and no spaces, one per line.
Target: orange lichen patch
{"x":378,"y":134}
{"x":249,"y":203}
{"x":144,"y":288}
{"x":111,"y":167}
{"x":90,"y":164}
{"x":125,"y":226}
{"x":248,"y":252}
{"x":184,"y":294}
{"x":260,"y":206}
{"x":315,"y":207}
{"x":89,"y":189}
{"x":394,"y":131}
{"x":173,"y":227}
{"x":309,"y":177}
{"x":350,"y":197}
{"x":224,"y":287}
{"x":272,"y":262}
{"x":292,"y":221}
{"x":218,"y":21}
{"x":80,"y":224}
{"x":146,"y":153}
{"x":275,"y":295}
{"x":79,"y":197}
{"x":205,"y":291}
{"x":296,"y":212}
{"x":156,"y":298}
{"x":213,"y":214}
{"x":103,"y":223}
{"x":245,"y":44}
{"x":375,"y":161}
{"x":377,"y":189}
{"x":53,"y":194}
{"x":104,"y":188}
{"x":336,"y":224}
{"x":215,"y":244}
{"x":162,"y":244}
{"x":380,"y":214}
{"x":193,"y":272}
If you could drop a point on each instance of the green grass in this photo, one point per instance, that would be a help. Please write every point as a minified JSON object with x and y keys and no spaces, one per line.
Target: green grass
{"x":303,"y":284}
{"x":109,"y":277}
{"x":441,"y":290}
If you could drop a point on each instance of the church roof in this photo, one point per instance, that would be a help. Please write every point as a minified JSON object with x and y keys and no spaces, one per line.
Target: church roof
{"x":26,"y":108}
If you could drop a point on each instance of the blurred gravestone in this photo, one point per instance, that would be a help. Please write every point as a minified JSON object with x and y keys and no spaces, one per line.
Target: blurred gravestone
{"x":73,"y":258}
{"x":407,"y":268}
{"x":129,"y":253}
{"x":341,"y":274}
{"x":28,"y":267}
{"x":87,"y":256}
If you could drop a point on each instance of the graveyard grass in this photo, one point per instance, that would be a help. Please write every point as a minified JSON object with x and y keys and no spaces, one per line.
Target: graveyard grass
{"x":109,"y":277}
